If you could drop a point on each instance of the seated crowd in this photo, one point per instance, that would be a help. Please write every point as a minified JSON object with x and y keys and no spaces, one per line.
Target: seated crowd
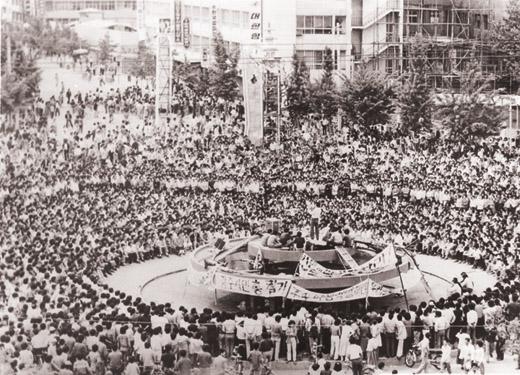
{"x":110,"y":188}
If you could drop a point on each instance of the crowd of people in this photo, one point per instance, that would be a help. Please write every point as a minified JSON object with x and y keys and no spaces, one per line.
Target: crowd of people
{"x":88,"y":184}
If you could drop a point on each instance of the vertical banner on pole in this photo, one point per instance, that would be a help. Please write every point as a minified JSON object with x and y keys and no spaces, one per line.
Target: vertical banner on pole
{"x":252,"y":78}
{"x":178,"y":21}
{"x":186,"y":33}
{"x":141,"y":26}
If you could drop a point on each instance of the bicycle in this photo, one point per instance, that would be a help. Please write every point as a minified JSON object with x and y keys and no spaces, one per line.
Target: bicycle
{"x":414,"y":353}
{"x":237,"y":368}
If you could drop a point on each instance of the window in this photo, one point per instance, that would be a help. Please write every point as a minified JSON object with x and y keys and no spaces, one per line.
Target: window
{"x":204,"y":15}
{"x":235,"y":18}
{"x":196,"y":14}
{"x":245,"y":20}
{"x":313,"y":59}
{"x":313,"y":25}
{"x":434,"y":16}
{"x":485,"y":21}
{"x":226,"y":17}
{"x":187,"y":11}
{"x":340,"y":25}
{"x":413,"y":16}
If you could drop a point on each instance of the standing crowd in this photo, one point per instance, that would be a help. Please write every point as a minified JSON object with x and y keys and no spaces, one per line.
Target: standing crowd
{"x":88,"y":184}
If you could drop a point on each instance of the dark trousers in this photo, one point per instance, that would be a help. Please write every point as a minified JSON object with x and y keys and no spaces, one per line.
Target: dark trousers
{"x":390,"y":344}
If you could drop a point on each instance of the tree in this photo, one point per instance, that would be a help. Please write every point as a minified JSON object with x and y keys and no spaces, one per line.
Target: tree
{"x":298,"y":92}
{"x":325,"y":99}
{"x":144,"y":65}
{"x":505,"y":37}
{"x":106,"y":48}
{"x":223,"y":74}
{"x":366,"y":99}
{"x":414,"y":96}
{"x":472,"y":111}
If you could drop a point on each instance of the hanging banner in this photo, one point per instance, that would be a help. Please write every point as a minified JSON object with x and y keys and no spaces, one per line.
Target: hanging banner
{"x":309,"y":268}
{"x":362,"y":290}
{"x":201,"y":278}
{"x":214,"y":21}
{"x":384,"y":259}
{"x":178,"y":21}
{"x":255,"y":23}
{"x":141,"y":26}
{"x":249,"y":285}
{"x":186,"y":34}
{"x":347,"y":258}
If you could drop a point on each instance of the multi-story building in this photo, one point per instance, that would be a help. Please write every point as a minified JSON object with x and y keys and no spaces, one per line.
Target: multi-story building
{"x":65,"y":11}
{"x":375,"y":32}
{"x":12,"y":11}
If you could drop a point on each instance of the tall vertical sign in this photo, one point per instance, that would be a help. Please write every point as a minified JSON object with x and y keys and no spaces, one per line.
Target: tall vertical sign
{"x":252,"y":77}
{"x":255,"y":24}
{"x":141,"y":25}
{"x":186,"y":33}
{"x":178,"y":21}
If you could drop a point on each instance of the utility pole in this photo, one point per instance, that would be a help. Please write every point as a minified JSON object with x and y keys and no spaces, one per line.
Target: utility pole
{"x":8,"y":64}
{"x":278,"y":110}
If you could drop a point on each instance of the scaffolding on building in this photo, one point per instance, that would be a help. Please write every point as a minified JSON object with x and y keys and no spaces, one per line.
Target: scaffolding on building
{"x":163,"y":84}
{"x":454,"y":30}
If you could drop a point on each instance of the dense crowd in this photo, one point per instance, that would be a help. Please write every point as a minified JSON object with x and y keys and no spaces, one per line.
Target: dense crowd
{"x":96,"y":185}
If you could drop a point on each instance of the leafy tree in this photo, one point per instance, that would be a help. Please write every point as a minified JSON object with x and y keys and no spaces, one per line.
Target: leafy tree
{"x":366,"y":99}
{"x":414,"y":96}
{"x":144,"y":65}
{"x":223,"y":74}
{"x":505,"y":37}
{"x":106,"y":49}
{"x":298,"y":90}
{"x":471,"y":112}
{"x":325,"y":99}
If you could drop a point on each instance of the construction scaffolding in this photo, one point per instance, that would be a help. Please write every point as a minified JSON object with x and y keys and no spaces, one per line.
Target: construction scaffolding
{"x":454,"y":30}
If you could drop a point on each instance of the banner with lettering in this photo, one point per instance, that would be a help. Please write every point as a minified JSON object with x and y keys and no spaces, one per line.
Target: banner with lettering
{"x":383,"y":259}
{"x":309,"y":268}
{"x":252,"y":286}
{"x":255,"y":23}
{"x":202,"y":278}
{"x":359,"y":291}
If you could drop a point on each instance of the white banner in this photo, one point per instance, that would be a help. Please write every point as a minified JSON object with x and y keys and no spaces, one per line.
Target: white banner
{"x":202,"y":278}
{"x":359,"y":291}
{"x":383,"y":259}
{"x":252,"y":286}
{"x":309,"y":268}
{"x":347,"y":258}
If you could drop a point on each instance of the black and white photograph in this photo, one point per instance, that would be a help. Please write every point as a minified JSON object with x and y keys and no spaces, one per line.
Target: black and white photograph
{"x":259,"y":187}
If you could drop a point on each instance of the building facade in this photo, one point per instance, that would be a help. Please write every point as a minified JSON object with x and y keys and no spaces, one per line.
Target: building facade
{"x":66,"y":11}
{"x":12,"y":11}
{"x":374,"y":32}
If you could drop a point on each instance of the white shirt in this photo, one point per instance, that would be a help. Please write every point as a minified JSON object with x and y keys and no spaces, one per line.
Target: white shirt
{"x":316,"y":213}
{"x":354,"y":352}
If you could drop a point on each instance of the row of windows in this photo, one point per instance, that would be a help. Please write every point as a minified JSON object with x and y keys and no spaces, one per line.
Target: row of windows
{"x":225,"y":17}
{"x":314,"y":59}
{"x":435,"y":16}
{"x":320,"y":24}
{"x":86,"y":4}
{"x":198,"y":43}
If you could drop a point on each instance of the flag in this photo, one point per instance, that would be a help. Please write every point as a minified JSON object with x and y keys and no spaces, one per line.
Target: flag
{"x":258,"y":260}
